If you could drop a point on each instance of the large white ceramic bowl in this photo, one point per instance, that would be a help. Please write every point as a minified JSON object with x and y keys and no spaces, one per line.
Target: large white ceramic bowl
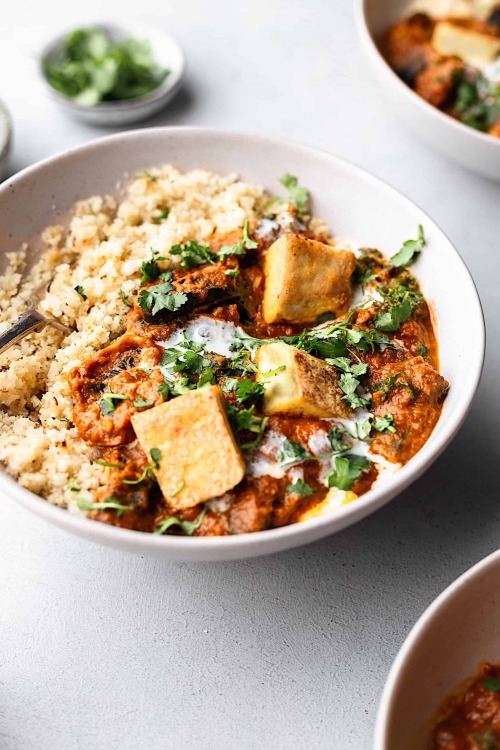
{"x":469,"y":147}
{"x":356,"y":205}
{"x":446,"y":646}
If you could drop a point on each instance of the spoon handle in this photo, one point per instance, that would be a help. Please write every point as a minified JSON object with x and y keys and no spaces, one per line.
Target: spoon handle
{"x":29,"y":321}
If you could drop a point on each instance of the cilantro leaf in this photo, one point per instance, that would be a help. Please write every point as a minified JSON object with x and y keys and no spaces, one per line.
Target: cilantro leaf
{"x":161,"y":297}
{"x":296,"y":194}
{"x":246,"y":419}
{"x":391,"y":320}
{"x":385,"y":423}
{"x":207,"y":377}
{"x":155,"y":454}
{"x":248,"y":389}
{"x":141,"y":403}
{"x":240,"y":247}
{"x":110,"y":503}
{"x":292,"y":452}
{"x":107,"y":401}
{"x":410,"y":250}
{"x":337,"y":437}
{"x":125,"y":298}
{"x":192,"y":254}
{"x":492,"y":684}
{"x":187,"y":527}
{"x":150,"y":270}
{"x":164,"y":389}
{"x":81,"y":292}
{"x":163,"y":216}
{"x":347,"y":470}
{"x":300,"y":488}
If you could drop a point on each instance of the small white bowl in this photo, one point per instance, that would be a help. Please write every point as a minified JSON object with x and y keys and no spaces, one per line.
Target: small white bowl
{"x":5,"y":138}
{"x":356,"y":205}
{"x":469,"y":147}
{"x":451,"y":639}
{"x":165,"y":51}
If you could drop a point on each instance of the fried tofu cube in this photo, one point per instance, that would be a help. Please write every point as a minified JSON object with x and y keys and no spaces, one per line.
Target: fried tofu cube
{"x":473,"y":47}
{"x":199,"y":455}
{"x":307,"y":385}
{"x":304,"y":279}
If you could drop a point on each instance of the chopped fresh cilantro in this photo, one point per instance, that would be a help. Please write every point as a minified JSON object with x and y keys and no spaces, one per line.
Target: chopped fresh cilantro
{"x":387,"y":384}
{"x":107,"y":401}
{"x":391,"y":320}
{"x":422,"y":350}
{"x":146,"y":472}
{"x":300,"y":488}
{"x":337,"y":438}
{"x":72,"y":486}
{"x":410,"y":251}
{"x":179,"y":489}
{"x":146,"y":175}
{"x":292,"y":453}
{"x":188,"y":527}
{"x":63,"y":419}
{"x":384,"y":424}
{"x":150,"y":270}
{"x":186,"y":356}
{"x":125,"y":298}
{"x":296,"y":194}
{"x":108,"y":464}
{"x":347,"y":470}
{"x":93,"y":67}
{"x":232,"y":272}
{"x":492,"y":684}
{"x":240,"y":247}
{"x":110,"y":503}
{"x":248,"y":389}
{"x":155,"y":454}
{"x":164,"y":389}
{"x":163,"y":216}
{"x":161,"y":297}
{"x":207,"y":377}
{"x":246,"y":419}
{"x":192,"y":254}
{"x":81,"y":292}
{"x":141,"y":403}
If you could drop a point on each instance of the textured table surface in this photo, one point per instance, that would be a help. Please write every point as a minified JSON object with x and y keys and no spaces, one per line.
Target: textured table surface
{"x":100,"y":650}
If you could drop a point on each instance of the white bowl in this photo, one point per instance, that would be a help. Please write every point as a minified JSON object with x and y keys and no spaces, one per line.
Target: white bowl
{"x":469,"y":147}
{"x":356,"y":205}
{"x":454,"y":635}
{"x":165,"y":51}
{"x":5,"y":138}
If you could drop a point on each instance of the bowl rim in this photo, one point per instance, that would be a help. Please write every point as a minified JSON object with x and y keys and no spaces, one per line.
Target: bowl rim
{"x":360,"y":14}
{"x":165,"y":88}
{"x":417,"y":632}
{"x":295,"y":534}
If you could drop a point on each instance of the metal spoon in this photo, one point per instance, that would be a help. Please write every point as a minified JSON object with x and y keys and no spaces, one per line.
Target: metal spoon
{"x":29,"y":321}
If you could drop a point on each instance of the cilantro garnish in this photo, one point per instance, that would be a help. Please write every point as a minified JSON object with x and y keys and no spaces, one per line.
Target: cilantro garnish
{"x":296,"y":194}
{"x":164,"y":389}
{"x":347,"y":470}
{"x":300,"y":488}
{"x":155,"y":454}
{"x":487,"y":740}
{"x":110,"y":503}
{"x":108,"y":464}
{"x":387,"y":384}
{"x":179,"y":489}
{"x":107,"y":401}
{"x":384,"y":424}
{"x":240,"y":247}
{"x":188,"y":527}
{"x":150,"y":269}
{"x":93,"y":68}
{"x":232,"y":272}
{"x":163,"y":216}
{"x":349,"y":382}
{"x":186,"y":356}
{"x":391,"y":320}
{"x":337,"y":438}
{"x":81,"y":292}
{"x":192,"y":254}
{"x":160,"y":297}
{"x":72,"y":487}
{"x":292,"y":452}
{"x":125,"y":298}
{"x":410,"y":250}
{"x":207,"y":377}
{"x":422,"y":350}
{"x":246,"y":419}
{"x":492,"y":684}
{"x":248,"y":390}
{"x":141,"y":403}
{"x":147,"y":472}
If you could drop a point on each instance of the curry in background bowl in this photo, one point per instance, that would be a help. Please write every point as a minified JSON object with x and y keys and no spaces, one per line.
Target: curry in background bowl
{"x":452,"y":62}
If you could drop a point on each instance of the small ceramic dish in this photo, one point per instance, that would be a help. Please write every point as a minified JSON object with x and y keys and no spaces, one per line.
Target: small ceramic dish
{"x":5,"y":138}
{"x":446,"y":646}
{"x":356,"y":205}
{"x":469,"y":147}
{"x":165,"y":51}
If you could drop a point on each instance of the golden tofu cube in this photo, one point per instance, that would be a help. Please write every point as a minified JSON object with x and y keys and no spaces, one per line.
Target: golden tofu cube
{"x":307,"y":385}
{"x":304,"y":279}
{"x":199,"y":455}
{"x":473,"y":47}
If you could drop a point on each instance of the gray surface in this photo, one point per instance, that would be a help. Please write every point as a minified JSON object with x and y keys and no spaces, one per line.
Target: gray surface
{"x":99,"y":650}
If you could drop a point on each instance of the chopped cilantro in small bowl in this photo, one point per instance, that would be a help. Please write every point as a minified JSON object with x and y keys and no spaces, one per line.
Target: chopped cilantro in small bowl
{"x":110,"y":75}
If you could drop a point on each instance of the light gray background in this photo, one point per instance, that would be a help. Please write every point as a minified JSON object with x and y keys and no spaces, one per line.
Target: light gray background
{"x":100,"y":650}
